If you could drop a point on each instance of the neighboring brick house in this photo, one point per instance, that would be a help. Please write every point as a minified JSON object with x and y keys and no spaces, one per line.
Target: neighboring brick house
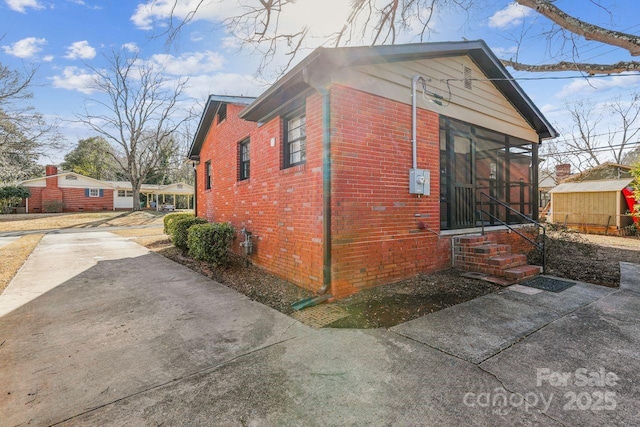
{"x":322,"y":170}
{"x":67,"y":192}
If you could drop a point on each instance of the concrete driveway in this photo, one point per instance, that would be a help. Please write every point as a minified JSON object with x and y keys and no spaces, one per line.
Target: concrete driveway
{"x":95,"y":330}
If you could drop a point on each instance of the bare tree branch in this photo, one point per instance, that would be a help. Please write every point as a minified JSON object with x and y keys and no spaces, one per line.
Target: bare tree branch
{"x":138,"y":114}
{"x":591,"y":69}
{"x":586,"y":144}
{"x":584,"y":29}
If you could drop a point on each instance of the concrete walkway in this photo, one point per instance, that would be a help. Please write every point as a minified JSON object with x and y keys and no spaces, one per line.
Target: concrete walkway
{"x":98,"y":331}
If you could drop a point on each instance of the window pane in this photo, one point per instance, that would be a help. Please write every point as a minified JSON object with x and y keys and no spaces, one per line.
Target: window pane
{"x":295,"y":143}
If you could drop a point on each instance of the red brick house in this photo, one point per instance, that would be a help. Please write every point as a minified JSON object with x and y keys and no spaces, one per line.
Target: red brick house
{"x":67,"y":192}
{"x":360,"y":166}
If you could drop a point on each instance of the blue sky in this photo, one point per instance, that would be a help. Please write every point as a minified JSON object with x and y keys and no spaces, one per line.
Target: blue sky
{"x":63,"y":37}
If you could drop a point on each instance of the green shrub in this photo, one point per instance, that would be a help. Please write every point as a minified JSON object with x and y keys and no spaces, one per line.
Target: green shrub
{"x":53,"y":206}
{"x":169,"y":219}
{"x":210,"y":242}
{"x":180,"y":228}
{"x":12,"y":196}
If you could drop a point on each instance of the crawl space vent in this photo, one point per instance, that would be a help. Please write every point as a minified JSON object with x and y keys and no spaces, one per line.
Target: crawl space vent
{"x":467,"y":78}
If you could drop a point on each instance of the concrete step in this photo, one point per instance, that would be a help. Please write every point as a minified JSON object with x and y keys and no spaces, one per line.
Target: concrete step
{"x":522,"y":272}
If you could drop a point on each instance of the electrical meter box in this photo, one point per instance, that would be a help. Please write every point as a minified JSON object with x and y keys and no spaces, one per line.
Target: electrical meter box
{"x":420,"y":181}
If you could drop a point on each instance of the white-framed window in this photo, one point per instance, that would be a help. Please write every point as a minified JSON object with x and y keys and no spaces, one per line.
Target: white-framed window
{"x":125,"y":193}
{"x":94,"y":192}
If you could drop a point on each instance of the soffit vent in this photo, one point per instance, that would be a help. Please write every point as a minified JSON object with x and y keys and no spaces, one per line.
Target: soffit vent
{"x":466,"y":71}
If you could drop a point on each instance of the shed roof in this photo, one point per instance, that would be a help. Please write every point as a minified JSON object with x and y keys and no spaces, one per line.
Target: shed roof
{"x":592,"y":186}
{"x":324,"y":61}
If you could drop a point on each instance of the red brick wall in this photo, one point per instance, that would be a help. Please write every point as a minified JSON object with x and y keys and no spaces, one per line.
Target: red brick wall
{"x":281,"y":207}
{"x":517,"y":243}
{"x":376,"y":237}
{"x":73,"y":199}
{"x":35,"y":200}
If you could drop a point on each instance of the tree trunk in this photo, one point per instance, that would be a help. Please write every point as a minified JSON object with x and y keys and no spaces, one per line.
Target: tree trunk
{"x":136,"y":196}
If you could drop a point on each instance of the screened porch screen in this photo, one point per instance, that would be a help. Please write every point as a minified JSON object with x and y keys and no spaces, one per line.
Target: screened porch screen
{"x":475,"y":160}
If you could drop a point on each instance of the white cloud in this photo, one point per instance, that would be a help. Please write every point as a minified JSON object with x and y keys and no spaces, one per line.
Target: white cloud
{"x":549,"y":109}
{"x":321,"y":17}
{"x":196,"y":36}
{"x":157,"y":10}
{"x":191,"y":63}
{"x":25,"y":48}
{"x":510,"y":16}
{"x":74,"y":78}
{"x":80,"y":50}
{"x":22,"y":5}
{"x":83,"y":3}
{"x":584,"y":86}
{"x":131,"y":47}
{"x":48,"y":58}
{"x":200,"y":87}
{"x":503,"y":52}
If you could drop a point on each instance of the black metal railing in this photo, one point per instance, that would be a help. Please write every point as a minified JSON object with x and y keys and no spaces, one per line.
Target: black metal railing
{"x":540,"y":245}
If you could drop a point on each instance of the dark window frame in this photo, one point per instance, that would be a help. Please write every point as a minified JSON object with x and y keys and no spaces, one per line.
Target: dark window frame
{"x":207,"y":175}
{"x":244,"y":163}
{"x":287,"y":143}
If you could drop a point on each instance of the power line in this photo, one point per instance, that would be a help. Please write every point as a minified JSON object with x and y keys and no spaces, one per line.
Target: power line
{"x":591,"y":150}
{"x":493,"y":79}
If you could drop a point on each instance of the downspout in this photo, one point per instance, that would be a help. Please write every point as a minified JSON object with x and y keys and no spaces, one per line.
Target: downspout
{"x":323,"y":294}
{"x":326,"y":190}
{"x":414,"y":120}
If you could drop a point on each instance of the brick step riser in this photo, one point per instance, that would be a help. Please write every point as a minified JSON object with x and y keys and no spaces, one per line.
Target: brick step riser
{"x":479,"y":254}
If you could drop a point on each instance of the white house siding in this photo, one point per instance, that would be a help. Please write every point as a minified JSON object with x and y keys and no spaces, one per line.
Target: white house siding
{"x":122,"y":202}
{"x":483,"y":105}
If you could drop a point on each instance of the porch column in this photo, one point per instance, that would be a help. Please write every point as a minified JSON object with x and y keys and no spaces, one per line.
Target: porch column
{"x":535,"y":165}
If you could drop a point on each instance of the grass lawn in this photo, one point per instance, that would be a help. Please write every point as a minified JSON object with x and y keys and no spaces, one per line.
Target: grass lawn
{"x":13,"y":255}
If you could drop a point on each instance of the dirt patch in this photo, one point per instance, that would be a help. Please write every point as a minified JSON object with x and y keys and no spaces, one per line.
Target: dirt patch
{"x":389,"y":305}
{"x":245,"y":278}
{"x":589,"y":258}
{"x":13,"y":256}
